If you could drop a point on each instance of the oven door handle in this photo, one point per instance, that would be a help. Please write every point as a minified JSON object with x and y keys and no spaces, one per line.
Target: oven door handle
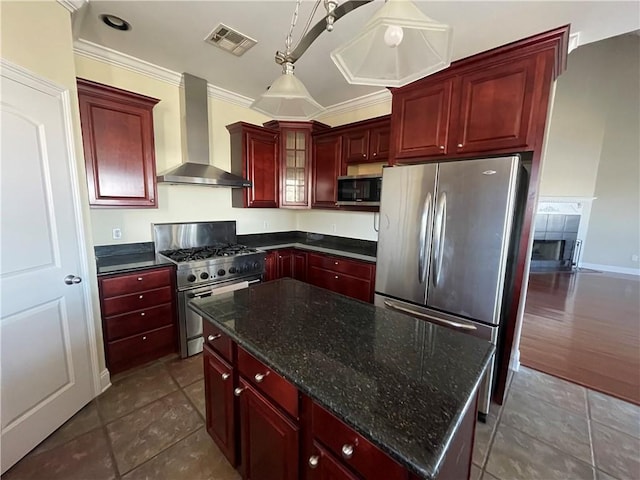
{"x":213,"y":291}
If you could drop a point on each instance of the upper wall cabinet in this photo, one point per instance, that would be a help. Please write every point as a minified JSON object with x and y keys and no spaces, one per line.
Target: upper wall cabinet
{"x":254,"y":155}
{"x":117,"y":136}
{"x":327,"y":167}
{"x":491,"y":102}
{"x":367,"y":141}
{"x":295,"y":161}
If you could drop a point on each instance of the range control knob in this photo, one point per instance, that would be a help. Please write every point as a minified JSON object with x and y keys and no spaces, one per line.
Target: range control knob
{"x":233,"y":270}
{"x":204,"y":275}
{"x":191,"y":278}
{"x":221,"y":272}
{"x":256,"y":265}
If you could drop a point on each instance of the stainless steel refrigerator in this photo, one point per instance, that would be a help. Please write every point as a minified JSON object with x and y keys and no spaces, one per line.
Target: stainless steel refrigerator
{"x":444,"y":243}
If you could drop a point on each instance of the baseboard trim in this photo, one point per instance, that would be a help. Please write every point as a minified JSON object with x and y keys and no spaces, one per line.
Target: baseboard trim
{"x":514,"y":361}
{"x":105,"y":380}
{"x":611,"y":268}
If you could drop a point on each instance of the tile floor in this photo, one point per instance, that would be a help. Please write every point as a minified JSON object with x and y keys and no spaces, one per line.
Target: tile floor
{"x":150,"y":425}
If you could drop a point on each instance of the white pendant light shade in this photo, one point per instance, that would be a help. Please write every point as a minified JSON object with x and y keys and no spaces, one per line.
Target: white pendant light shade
{"x":287,"y":99}
{"x":397,"y":46}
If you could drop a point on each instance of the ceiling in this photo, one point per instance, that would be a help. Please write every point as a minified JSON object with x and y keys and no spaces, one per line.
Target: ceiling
{"x":171,"y":34}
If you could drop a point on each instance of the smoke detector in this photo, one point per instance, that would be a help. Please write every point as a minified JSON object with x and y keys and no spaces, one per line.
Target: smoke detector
{"x":230,"y":40}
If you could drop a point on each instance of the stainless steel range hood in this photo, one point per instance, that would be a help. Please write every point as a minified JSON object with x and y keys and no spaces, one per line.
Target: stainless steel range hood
{"x":196,"y":170}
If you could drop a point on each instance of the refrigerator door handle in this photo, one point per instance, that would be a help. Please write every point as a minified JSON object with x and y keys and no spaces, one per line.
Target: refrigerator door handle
{"x":430,"y":318}
{"x":441,"y":224}
{"x":422,"y":243}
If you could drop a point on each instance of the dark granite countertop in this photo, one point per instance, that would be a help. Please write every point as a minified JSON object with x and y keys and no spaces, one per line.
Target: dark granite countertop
{"x":341,"y":246}
{"x":125,"y":258}
{"x":400,"y":382}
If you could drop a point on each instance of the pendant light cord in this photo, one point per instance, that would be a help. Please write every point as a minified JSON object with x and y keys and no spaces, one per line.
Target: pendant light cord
{"x":294,"y":19}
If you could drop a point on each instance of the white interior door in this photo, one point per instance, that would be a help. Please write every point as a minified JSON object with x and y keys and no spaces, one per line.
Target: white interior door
{"x":46,"y":362}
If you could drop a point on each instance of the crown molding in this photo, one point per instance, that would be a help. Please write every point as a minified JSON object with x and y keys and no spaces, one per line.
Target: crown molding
{"x":72,"y":5}
{"x":369,"y":100}
{"x":85,"y":48}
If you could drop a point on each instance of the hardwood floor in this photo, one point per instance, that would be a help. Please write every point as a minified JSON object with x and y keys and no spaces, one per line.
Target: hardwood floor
{"x":585,"y":327}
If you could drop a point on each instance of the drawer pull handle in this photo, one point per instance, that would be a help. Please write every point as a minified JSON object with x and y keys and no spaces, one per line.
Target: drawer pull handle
{"x":141,"y":296}
{"x":260,"y":376}
{"x":142,"y":314}
{"x":139,"y":279}
{"x":313,"y":461}
{"x":459,"y":145}
{"x":347,"y":451}
{"x":144,"y":338}
{"x":441,"y":147}
{"x":211,"y":338}
{"x":336,"y":277}
{"x":225,"y":376}
{"x":336,"y":263}
{"x":239,"y":390}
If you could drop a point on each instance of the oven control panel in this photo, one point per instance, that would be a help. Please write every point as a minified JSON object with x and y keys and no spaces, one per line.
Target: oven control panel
{"x":201,"y":273}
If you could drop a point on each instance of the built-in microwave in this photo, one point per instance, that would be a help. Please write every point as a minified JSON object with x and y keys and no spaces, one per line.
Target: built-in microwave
{"x":361,"y":190}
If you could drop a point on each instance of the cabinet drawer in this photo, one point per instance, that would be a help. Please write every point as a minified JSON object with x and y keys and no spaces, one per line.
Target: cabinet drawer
{"x":136,"y":301}
{"x":269,"y":382}
{"x":341,"y":265}
{"x":141,"y":348}
{"x":340,"y":283}
{"x":135,"y":282}
{"x":218,"y":341}
{"x":137,"y":322}
{"x":352,"y":448}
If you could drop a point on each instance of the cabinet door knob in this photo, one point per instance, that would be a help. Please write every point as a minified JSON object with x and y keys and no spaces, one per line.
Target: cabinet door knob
{"x":364,"y":155}
{"x":375,"y":153}
{"x":141,"y":296}
{"x":336,"y":277}
{"x":459,"y":145}
{"x":313,"y":461}
{"x":336,"y":263}
{"x":139,"y":279}
{"x":347,"y":451}
{"x":225,"y":376}
{"x":211,"y":338}
{"x":260,"y":376}
{"x":142,"y":314}
{"x":441,"y":147}
{"x":239,"y":390}
{"x":144,"y":338}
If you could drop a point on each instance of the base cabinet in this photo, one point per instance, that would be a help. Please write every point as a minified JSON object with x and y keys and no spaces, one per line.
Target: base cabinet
{"x":218,"y":384}
{"x":270,"y":431}
{"x":270,"y":440}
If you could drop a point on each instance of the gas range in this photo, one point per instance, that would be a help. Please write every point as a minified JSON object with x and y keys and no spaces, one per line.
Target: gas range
{"x":208,"y":262}
{"x":214,"y":263}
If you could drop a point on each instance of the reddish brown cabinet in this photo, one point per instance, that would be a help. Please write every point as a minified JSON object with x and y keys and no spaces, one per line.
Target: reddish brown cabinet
{"x":254,"y":156}
{"x":220,"y":410}
{"x":118,"y":143}
{"x":421,"y":125}
{"x":367,"y":141}
{"x":323,"y":466}
{"x":327,"y":167}
{"x":352,"y":278}
{"x":495,"y":108}
{"x":299,"y":259}
{"x":288,"y":262}
{"x":138,"y":317}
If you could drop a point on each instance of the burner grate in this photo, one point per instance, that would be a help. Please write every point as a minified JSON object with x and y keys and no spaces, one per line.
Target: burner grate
{"x":203,"y":253}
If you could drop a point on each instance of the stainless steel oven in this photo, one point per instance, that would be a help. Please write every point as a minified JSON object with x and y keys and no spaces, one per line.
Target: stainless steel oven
{"x":191,"y":339}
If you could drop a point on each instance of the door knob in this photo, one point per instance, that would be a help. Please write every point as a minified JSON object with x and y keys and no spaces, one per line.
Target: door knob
{"x":71,"y":279}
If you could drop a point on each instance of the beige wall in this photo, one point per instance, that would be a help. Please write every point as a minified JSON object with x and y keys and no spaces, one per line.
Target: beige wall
{"x":178,"y":203}
{"x":37,"y":36}
{"x":614,"y":228}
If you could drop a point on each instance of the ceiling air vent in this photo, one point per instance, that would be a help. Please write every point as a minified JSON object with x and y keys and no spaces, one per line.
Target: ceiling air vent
{"x":230,"y":40}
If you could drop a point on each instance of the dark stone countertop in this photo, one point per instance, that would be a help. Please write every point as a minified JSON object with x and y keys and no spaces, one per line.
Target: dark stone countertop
{"x":345,"y":247}
{"x":126,"y":258}
{"x":400,"y":382}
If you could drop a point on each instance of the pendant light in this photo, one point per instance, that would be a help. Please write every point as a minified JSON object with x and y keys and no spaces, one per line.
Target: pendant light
{"x":397,"y":46}
{"x":287,"y":98}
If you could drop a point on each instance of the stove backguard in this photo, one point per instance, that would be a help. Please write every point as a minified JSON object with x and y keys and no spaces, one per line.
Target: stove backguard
{"x":171,"y":236}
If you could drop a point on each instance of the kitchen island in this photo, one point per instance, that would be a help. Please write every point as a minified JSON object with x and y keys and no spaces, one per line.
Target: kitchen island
{"x":312,"y":384}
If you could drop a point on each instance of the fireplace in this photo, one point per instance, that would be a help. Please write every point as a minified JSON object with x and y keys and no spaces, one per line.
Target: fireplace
{"x":554,"y":242}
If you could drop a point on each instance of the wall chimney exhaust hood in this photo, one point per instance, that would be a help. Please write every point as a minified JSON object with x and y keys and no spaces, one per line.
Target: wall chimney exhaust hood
{"x":196,"y":170}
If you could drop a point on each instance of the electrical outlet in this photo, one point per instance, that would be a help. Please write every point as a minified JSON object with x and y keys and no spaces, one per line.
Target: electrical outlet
{"x":634,"y":258}
{"x":116,"y":233}
{"x":333,"y":228}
